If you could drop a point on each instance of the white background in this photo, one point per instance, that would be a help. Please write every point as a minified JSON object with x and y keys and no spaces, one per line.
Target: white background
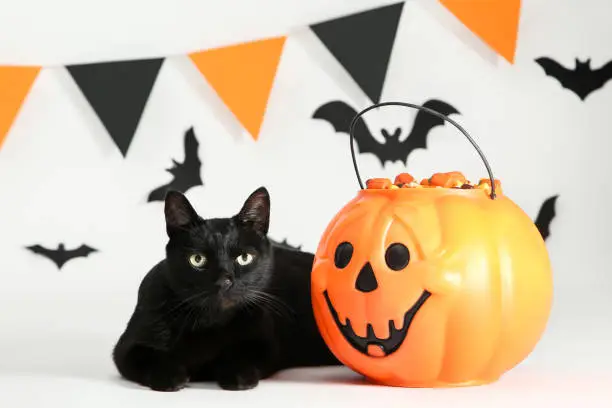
{"x":63,"y":179}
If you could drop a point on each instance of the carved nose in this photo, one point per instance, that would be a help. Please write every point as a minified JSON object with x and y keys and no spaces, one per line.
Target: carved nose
{"x":366,"y":281}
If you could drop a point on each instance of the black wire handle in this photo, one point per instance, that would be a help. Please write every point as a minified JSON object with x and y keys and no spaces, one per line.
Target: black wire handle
{"x":430,"y":111}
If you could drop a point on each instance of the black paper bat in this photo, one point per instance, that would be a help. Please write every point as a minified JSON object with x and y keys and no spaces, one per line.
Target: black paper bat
{"x":285,"y":244}
{"x":184,"y":175}
{"x":545,"y":216}
{"x":60,"y":255}
{"x":339,"y":114}
{"x":582,"y":80}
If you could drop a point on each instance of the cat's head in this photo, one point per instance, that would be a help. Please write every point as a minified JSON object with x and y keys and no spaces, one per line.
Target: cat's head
{"x":221,"y":264}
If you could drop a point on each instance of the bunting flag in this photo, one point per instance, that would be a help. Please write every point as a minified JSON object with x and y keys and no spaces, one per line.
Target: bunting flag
{"x":15,"y":83}
{"x":118,"y":92}
{"x":494,"y":21}
{"x":362,"y":44}
{"x":243,"y":75}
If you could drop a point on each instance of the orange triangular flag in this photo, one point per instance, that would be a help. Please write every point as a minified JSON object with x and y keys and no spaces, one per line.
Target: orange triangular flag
{"x":242,"y":75}
{"x":15,"y":83}
{"x":494,"y":21}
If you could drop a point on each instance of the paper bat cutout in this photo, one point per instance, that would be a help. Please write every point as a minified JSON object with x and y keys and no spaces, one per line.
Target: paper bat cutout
{"x":339,"y":114}
{"x":545,"y":216}
{"x":582,"y":80}
{"x":60,"y":255}
{"x":285,"y":244}
{"x":185,"y":175}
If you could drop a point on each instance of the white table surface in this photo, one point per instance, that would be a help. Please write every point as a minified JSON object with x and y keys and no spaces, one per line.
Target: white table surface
{"x":62,"y":359}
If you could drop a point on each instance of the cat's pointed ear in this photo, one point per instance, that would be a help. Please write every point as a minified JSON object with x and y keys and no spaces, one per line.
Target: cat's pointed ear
{"x":256,"y":211}
{"x":178,"y":210}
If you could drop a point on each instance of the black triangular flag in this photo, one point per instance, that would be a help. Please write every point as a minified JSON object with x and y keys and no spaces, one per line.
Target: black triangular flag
{"x":362,"y":43}
{"x":118,"y":92}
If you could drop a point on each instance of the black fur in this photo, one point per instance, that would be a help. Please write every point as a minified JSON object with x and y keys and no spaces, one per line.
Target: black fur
{"x":221,"y":321}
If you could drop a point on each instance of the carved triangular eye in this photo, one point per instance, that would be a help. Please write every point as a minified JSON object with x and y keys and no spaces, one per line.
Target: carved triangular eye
{"x":397,"y":256}
{"x":343,"y":255}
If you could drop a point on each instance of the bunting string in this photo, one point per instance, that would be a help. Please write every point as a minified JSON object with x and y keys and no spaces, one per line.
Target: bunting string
{"x":243,"y":74}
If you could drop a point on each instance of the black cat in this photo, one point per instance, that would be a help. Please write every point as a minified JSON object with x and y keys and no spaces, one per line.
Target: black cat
{"x":225,"y":304}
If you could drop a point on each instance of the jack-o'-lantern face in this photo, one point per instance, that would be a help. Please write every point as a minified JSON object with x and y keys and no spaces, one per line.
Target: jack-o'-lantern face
{"x":389,"y":333}
{"x":376,"y":282}
{"x":429,"y":286}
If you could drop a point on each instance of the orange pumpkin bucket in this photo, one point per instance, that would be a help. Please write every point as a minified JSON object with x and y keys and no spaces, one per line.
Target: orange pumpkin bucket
{"x":437,"y":283}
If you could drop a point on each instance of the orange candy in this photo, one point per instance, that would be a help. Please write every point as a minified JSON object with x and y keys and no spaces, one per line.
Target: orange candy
{"x":404,"y":178}
{"x":448,"y":180}
{"x":485,"y":184}
{"x":378,"y":183}
{"x":451,"y":179}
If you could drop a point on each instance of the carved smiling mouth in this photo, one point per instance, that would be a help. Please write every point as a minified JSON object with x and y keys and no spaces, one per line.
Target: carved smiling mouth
{"x":372,"y":345}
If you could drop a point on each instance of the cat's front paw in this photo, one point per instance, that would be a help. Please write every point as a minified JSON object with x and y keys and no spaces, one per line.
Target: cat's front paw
{"x":167,"y":379}
{"x":244,"y":379}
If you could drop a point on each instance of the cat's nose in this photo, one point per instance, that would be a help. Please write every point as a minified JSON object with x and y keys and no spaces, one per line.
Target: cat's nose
{"x":226,"y":283}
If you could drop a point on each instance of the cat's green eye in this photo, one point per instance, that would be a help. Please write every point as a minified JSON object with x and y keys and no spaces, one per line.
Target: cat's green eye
{"x":197,"y":260}
{"x":245,"y":259}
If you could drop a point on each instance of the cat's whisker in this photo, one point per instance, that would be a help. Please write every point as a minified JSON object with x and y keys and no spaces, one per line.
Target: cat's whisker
{"x":274,"y":299}
{"x":182,"y":304}
{"x":271,"y":302}
{"x":194,"y":316}
{"x":249,"y":304}
{"x":193,"y":313}
{"x":184,"y":324}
